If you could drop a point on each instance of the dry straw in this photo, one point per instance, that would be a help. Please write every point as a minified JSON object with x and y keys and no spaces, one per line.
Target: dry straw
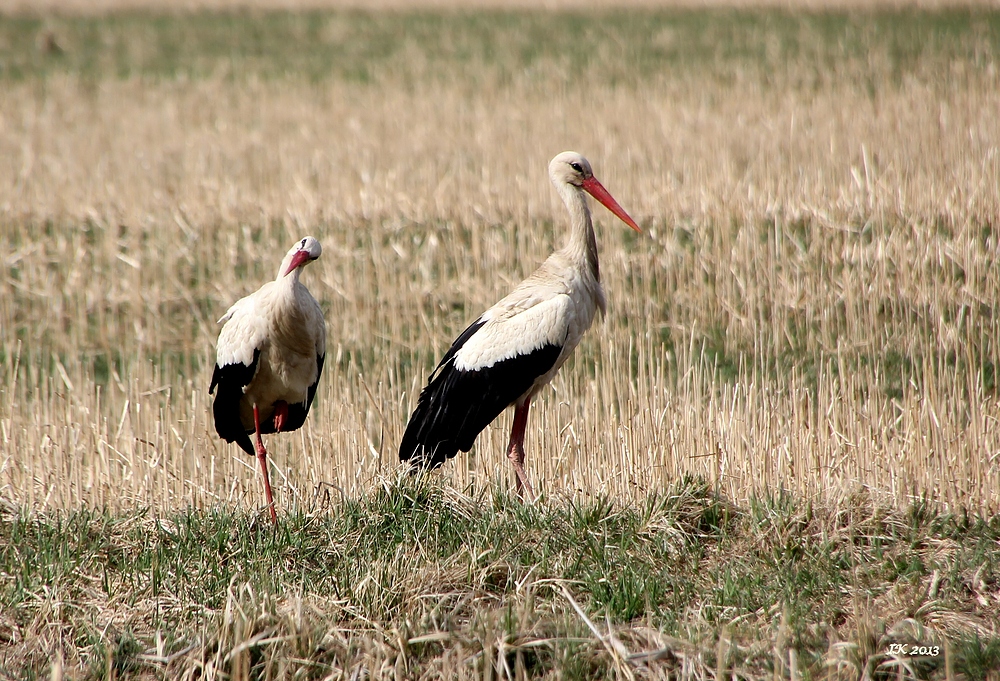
{"x":811,"y":308}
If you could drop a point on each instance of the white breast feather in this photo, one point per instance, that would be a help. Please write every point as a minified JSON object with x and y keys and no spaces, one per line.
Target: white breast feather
{"x":510,"y":333}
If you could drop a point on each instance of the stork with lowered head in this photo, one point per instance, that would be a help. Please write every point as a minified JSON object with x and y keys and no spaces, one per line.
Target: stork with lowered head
{"x":269,"y":358}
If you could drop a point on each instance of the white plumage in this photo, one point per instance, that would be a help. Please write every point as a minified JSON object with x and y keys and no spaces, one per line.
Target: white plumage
{"x":510,"y":332}
{"x":269,"y":358}
{"x":515,"y":348}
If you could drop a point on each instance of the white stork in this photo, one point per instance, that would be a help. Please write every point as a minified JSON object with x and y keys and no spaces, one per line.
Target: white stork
{"x":515,"y":348}
{"x":269,"y":359}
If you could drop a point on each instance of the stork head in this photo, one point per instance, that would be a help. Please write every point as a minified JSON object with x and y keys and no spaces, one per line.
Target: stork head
{"x":572,"y":169}
{"x":302,"y":253}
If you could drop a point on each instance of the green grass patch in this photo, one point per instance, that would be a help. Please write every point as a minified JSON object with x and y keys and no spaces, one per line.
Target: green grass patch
{"x":624,"y":48}
{"x":418,"y":570}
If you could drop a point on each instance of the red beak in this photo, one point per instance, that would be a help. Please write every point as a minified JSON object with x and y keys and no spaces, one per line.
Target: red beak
{"x":597,"y":190}
{"x":298,"y":259}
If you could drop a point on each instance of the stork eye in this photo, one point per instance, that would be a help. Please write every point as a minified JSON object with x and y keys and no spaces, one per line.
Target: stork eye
{"x":576,"y":166}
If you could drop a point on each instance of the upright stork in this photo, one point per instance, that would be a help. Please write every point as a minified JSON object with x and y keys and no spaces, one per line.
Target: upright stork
{"x":515,"y":348}
{"x":269,"y":358}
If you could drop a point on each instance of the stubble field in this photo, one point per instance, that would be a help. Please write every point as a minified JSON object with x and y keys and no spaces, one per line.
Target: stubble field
{"x":776,"y":457}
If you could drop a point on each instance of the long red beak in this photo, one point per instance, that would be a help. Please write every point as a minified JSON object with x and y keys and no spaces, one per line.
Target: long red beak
{"x":597,"y":190}
{"x":297,"y":260}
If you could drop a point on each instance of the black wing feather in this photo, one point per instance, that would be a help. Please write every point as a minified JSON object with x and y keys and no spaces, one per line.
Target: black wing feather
{"x":457,"y":405}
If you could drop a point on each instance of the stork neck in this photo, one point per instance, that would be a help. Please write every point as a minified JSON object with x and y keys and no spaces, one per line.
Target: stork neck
{"x":285,"y":262}
{"x":582,"y":245}
{"x":290,"y":280}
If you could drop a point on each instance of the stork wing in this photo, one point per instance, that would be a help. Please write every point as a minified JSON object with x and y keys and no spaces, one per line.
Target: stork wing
{"x":243,"y":333}
{"x":515,"y":331}
{"x":240,"y":343}
{"x":489,"y":366}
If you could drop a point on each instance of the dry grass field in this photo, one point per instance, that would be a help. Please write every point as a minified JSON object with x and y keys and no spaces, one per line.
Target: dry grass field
{"x":810,"y":314}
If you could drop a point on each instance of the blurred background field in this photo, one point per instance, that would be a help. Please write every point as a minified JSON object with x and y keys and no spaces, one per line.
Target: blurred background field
{"x":776,"y":456}
{"x":99,"y":7}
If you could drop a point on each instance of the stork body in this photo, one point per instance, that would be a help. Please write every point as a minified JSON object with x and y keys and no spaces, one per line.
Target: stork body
{"x":516,"y":347}
{"x":269,"y":358}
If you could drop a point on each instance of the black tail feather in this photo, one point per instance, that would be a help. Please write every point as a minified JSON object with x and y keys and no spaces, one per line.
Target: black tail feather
{"x":230,"y":380}
{"x":226,"y":410}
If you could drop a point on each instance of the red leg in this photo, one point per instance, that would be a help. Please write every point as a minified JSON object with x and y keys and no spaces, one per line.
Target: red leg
{"x":262,"y":457}
{"x":280,"y":415}
{"x":515,"y":450}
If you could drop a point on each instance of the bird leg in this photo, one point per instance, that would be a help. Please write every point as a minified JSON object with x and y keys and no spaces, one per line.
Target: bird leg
{"x":262,"y":457}
{"x":280,"y":415}
{"x":515,"y":450}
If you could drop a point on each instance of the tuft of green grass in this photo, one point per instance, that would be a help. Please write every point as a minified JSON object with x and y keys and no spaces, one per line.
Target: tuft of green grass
{"x":418,"y":571}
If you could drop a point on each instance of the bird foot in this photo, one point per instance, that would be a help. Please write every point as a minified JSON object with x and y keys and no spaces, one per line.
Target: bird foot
{"x":262,"y":458}
{"x":521,"y":483}
{"x":280,"y":415}
{"x":515,"y":451}
{"x":524,"y":489}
